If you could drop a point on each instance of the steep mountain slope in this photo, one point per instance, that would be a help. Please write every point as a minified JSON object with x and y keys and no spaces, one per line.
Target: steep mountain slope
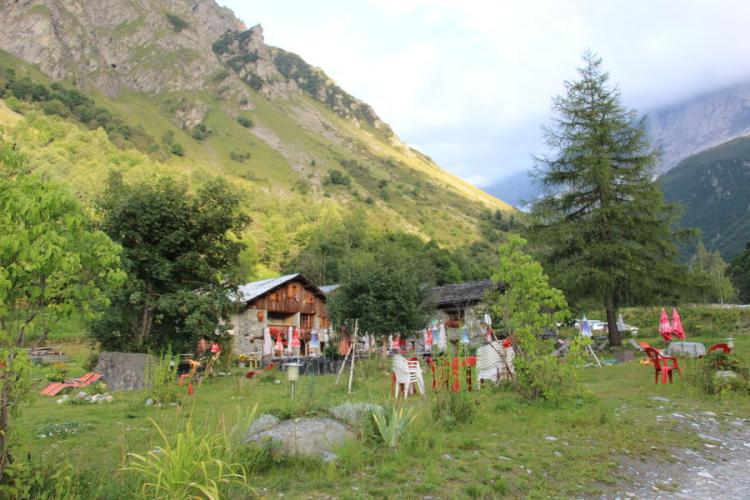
{"x":211,"y":98}
{"x":699,"y":123}
{"x":714,"y":187}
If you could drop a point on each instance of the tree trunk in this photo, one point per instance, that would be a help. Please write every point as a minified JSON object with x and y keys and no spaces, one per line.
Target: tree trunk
{"x":147,"y":319}
{"x":609,"y":306}
{"x":7,"y":386}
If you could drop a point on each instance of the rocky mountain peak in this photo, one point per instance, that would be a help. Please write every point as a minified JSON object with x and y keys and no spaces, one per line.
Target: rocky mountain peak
{"x":156,"y":46}
{"x":111,"y":45}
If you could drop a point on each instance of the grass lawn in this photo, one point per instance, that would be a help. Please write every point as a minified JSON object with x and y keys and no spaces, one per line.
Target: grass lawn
{"x":508,"y":448}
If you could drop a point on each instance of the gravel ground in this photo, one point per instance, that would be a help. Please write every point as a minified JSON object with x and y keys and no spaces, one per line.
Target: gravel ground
{"x":720,"y":469}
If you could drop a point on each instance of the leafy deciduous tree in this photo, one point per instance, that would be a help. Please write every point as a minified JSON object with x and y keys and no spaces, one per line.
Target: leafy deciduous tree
{"x":708,"y":274}
{"x":384,"y":289}
{"x":52,"y":266}
{"x":740,"y":272}
{"x":181,"y":253}
{"x":528,"y":306}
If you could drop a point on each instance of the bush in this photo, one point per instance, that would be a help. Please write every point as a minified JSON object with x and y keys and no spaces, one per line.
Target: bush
{"x":546,"y":378}
{"x":337,"y":178}
{"x":51,"y":481}
{"x":59,"y":373}
{"x":239,"y":156}
{"x":245,"y":122}
{"x":55,"y":107}
{"x":178,"y":24}
{"x":177,"y":149}
{"x":200,"y":132}
{"x":721,"y":373}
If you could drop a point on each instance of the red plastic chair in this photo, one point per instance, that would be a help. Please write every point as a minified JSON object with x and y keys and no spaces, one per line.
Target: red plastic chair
{"x":720,"y":347}
{"x":661,"y":364}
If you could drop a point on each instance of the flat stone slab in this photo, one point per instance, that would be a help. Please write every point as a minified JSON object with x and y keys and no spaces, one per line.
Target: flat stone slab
{"x":305,"y":436}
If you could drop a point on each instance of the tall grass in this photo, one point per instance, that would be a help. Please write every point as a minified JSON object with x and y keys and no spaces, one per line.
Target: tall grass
{"x":161,"y":377}
{"x":192,"y":465}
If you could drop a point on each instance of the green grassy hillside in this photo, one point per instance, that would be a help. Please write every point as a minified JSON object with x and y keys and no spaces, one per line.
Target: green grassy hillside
{"x":714,"y":188}
{"x":300,"y":164}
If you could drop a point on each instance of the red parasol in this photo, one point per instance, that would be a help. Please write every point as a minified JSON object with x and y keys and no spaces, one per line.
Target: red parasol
{"x":278,"y":347}
{"x":295,"y":338}
{"x":665,"y":329}
{"x":677,"y":327}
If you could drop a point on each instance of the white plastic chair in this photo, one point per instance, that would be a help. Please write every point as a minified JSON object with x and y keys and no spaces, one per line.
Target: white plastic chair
{"x":407,"y":373}
{"x":494,"y":362}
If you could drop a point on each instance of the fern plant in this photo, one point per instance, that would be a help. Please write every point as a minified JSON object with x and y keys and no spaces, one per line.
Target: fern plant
{"x":392,"y":426}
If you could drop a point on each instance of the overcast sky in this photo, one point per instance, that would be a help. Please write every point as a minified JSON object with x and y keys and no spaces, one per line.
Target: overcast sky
{"x":469,"y":82}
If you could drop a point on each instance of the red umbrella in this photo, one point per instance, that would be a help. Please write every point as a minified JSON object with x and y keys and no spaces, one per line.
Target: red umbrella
{"x":295,"y":338}
{"x":278,"y":347}
{"x":665,"y":329}
{"x":677,"y":328}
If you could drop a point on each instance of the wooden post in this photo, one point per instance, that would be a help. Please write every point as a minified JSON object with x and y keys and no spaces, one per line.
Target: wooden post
{"x":354,"y":355}
{"x":341,"y":370}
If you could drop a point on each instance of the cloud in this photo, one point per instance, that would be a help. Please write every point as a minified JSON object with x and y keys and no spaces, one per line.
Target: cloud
{"x":470,"y":82}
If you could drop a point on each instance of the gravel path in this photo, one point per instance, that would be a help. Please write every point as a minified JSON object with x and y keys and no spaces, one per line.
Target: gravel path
{"x":719,"y":470}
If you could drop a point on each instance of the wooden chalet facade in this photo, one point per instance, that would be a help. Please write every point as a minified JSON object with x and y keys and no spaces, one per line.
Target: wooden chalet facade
{"x":278,"y":303}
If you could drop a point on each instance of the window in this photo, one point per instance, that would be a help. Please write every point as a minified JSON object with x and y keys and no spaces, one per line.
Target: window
{"x":456,"y":315}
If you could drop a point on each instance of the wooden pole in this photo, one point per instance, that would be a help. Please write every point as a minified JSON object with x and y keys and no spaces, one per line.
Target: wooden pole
{"x":341,"y":370}
{"x":354,"y":355}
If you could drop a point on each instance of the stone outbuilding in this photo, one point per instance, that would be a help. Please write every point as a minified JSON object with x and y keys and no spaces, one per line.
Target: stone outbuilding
{"x":278,"y":303}
{"x":459,"y":303}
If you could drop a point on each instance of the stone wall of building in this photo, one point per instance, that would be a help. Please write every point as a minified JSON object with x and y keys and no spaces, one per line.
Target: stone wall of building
{"x":248,"y":331}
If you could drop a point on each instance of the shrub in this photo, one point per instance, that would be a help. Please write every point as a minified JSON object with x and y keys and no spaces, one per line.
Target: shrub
{"x":52,"y":481}
{"x":393,"y":424}
{"x":59,"y":373}
{"x":200,"y":132}
{"x":55,"y":107}
{"x":337,"y":178}
{"x":719,"y":373}
{"x":178,"y":24}
{"x":245,"y":122}
{"x":239,"y":156}
{"x":177,"y":149}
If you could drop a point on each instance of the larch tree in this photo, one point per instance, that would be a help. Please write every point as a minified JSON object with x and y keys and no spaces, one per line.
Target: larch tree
{"x":602,"y":220}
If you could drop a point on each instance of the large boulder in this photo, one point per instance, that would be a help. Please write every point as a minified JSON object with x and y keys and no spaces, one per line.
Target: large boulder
{"x":355,"y":413}
{"x":123,"y":371}
{"x":316,"y":437}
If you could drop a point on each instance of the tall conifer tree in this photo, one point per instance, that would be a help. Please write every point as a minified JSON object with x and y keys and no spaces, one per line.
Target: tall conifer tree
{"x":602,"y":219}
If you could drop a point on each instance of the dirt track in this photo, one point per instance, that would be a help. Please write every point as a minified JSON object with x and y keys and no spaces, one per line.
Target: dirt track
{"x":719,"y":469}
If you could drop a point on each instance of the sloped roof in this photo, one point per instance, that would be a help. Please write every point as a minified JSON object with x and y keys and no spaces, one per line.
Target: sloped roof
{"x":326,"y":289}
{"x":251,"y":291}
{"x":471,"y":292}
